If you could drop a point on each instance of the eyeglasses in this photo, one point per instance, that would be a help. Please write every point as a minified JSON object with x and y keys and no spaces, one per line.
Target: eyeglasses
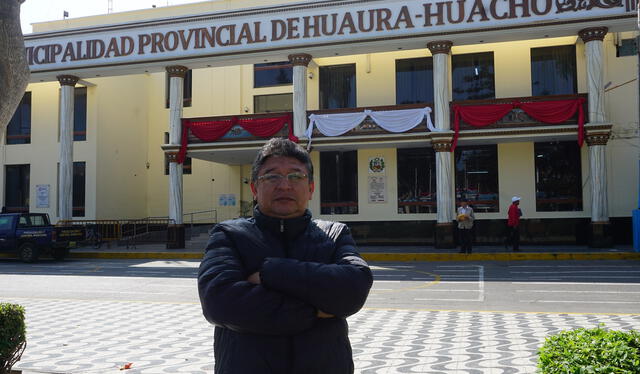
{"x":275,"y":179}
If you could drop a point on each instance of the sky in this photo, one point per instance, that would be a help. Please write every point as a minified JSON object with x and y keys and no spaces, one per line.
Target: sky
{"x":49,"y":10}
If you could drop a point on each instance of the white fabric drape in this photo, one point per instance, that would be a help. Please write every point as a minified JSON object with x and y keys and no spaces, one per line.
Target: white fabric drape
{"x":390,"y":120}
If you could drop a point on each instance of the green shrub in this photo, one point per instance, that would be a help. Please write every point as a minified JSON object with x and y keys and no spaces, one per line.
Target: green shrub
{"x":586,"y":351}
{"x":12,"y":335}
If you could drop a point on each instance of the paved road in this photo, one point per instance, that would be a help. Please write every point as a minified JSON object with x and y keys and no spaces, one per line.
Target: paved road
{"x":93,"y":316}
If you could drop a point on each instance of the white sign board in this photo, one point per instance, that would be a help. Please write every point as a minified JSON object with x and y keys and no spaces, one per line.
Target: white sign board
{"x":227,"y":200}
{"x":377,"y":189}
{"x":42,"y":195}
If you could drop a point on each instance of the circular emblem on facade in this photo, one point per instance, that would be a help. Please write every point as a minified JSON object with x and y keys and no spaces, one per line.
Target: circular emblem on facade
{"x":376,"y":164}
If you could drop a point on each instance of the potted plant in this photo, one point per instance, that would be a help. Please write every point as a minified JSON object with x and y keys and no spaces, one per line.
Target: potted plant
{"x":13,"y":338}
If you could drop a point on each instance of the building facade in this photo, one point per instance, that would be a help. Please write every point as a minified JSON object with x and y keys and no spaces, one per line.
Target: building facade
{"x":407,"y":108}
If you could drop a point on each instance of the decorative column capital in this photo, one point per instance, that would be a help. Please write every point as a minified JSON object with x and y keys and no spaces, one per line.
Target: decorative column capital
{"x":300,"y":59}
{"x":441,"y":46}
{"x":593,"y":33}
{"x":177,"y":71}
{"x":441,"y":145}
{"x":172,"y":156}
{"x":67,"y":80}
{"x":597,"y":138}
{"x":441,"y":141}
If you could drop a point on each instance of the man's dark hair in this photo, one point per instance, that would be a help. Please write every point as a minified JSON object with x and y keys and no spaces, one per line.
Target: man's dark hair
{"x":281,"y":147}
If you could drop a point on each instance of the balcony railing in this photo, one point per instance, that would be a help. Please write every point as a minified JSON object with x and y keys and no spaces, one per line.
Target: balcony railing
{"x":237,"y":133}
{"x":368,"y":127}
{"x":517,"y":118}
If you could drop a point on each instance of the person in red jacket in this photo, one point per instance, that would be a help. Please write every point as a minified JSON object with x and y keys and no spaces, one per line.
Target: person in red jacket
{"x":513,"y":224}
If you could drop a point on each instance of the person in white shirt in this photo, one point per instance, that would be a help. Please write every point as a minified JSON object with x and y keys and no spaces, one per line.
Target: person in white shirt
{"x":465,"y":220}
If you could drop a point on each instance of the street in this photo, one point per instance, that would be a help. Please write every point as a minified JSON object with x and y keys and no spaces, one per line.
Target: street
{"x":93,"y":316}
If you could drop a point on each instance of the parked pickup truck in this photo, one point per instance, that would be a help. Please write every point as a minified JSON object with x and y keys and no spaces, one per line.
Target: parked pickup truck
{"x":31,"y":234}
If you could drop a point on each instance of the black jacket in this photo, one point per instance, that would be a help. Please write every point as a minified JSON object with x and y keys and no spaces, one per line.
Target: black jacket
{"x":305,"y":265}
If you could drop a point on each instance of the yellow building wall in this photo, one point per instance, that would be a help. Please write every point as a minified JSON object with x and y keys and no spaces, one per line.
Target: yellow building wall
{"x":121,"y":111}
{"x":42,"y":154}
{"x":127,"y":120}
{"x":622,"y":111}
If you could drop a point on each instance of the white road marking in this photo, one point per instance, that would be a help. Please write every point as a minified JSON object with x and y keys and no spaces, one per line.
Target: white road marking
{"x":579,"y":302}
{"x":580,"y":283}
{"x":479,"y":281}
{"x":119,"y":292}
{"x":447,"y":290}
{"x":571,"y":266}
{"x":589,"y":292}
{"x":574,"y":272}
{"x":430,"y":299}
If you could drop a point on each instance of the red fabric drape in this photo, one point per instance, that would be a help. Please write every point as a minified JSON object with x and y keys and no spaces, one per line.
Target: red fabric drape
{"x":210,"y":131}
{"x":544,"y":111}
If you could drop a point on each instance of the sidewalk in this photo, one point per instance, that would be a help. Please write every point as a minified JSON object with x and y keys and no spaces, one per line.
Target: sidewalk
{"x":194,"y":250}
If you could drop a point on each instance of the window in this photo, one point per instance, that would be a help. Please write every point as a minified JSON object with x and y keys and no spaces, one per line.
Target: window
{"x":338,"y":86}
{"x":272,"y":74}
{"x":5,"y":223}
{"x":414,"y":80}
{"x":477,"y":177}
{"x":553,"y":71}
{"x":79,"y":180}
{"x":416,"y":180}
{"x":38,"y":220}
{"x":558,"y":177}
{"x":80,"y":114}
{"x":186,"y":165}
{"x":473,"y":76}
{"x":627,"y":47}
{"x":19,"y":128}
{"x":339,"y":182}
{"x":186,"y":89}
{"x":273,"y":103}
{"x":16,"y":188}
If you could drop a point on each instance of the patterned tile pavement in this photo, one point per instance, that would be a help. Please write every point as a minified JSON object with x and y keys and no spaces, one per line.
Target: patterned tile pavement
{"x":70,"y":336}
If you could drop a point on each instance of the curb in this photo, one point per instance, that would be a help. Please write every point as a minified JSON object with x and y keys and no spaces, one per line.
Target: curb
{"x":393,"y":257}
{"x":532,"y":256}
{"x":139,"y":255}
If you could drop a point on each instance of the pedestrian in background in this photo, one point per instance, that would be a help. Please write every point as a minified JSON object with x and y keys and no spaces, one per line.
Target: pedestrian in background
{"x":279,"y":286}
{"x":513,"y":225}
{"x":465,"y":219}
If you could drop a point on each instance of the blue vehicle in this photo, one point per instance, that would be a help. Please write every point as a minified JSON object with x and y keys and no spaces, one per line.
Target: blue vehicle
{"x":31,"y":234}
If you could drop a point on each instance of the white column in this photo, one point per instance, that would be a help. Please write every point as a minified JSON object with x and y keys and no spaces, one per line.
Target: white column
{"x":176,"y":79}
{"x":444,"y":183}
{"x":65,"y":179}
{"x":597,"y":142}
{"x":441,"y":96}
{"x":593,"y":38}
{"x":300,"y":62}
{"x":441,"y":141}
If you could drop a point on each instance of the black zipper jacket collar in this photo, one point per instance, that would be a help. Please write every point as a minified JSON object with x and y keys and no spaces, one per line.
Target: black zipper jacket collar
{"x":288,"y":228}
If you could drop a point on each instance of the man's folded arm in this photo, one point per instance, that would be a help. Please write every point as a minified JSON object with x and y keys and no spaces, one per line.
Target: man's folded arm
{"x":229,"y":300}
{"x":340,"y":288}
